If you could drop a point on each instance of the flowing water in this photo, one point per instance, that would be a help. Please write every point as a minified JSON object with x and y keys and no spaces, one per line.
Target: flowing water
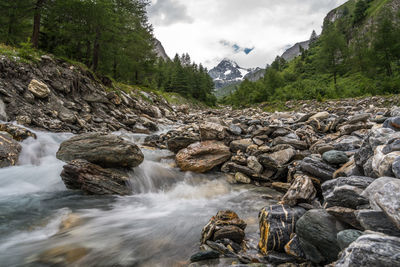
{"x":43,"y":224}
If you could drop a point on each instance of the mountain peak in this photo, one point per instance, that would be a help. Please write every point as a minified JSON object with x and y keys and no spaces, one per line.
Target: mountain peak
{"x":227,"y":62}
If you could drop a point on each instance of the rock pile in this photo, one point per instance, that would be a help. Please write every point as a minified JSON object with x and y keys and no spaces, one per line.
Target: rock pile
{"x":222,"y":236}
{"x":339,"y":170}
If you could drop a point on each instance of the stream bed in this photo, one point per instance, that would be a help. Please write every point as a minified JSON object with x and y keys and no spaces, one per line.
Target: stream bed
{"x":44,"y":224}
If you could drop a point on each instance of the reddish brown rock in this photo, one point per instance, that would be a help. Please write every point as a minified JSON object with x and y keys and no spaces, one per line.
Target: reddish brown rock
{"x":202,"y":157}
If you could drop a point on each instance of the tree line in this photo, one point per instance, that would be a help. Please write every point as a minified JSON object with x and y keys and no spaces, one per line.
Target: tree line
{"x":111,"y":37}
{"x":348,"y":60}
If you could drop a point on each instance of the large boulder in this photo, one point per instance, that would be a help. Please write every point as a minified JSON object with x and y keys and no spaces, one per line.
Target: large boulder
{"x":38,"y":89}
{"x":202,"y":156}
{"x":277,"y":224}
{"x":317,"y":231}
{"x":371,"y":250}
{"x":95,"y":180}
{"x":9,"y":150}
{"x":106,"y":150}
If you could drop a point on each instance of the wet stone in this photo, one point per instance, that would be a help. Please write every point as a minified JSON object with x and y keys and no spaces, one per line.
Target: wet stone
{"x":9,"y":150}
{"x":204,"y":255}
{"x":277,"y":224}
{"x":224,"y":219}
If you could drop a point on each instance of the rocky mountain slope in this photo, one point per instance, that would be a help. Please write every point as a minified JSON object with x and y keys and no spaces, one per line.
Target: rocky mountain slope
{"x":54,"y":95}
{"x":160,"y":51}
{"x":295,"y":50}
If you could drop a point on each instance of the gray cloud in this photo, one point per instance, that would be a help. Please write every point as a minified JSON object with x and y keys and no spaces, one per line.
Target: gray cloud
{"x":168,"y":12}
{"x":198,"y":26}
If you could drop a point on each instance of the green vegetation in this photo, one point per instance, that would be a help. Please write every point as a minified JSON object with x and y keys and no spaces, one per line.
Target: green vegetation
{"x":357,"y":55}
{"x":111,"y":37}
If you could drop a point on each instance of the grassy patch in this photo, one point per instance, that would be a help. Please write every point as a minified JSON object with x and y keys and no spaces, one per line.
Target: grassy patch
{"x":25,"y":53}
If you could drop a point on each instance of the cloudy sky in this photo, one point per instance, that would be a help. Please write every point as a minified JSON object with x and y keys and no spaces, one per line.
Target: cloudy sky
{"x":251,"y":32}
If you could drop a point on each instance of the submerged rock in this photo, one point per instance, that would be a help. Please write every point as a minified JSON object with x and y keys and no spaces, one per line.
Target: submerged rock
{"x":202,"y":157}
{"x":277,"y":224}
{"x":95,"y":180}
{"x":65,"y":255}
{"x":242,"y":178}
{"x":204,"y":255}
{"x":106,"y":150}
{"x":371,"y":250}
{"x":9,"y":150}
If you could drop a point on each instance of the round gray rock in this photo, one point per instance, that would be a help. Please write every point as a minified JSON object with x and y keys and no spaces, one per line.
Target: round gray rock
{"x":335,"y":157}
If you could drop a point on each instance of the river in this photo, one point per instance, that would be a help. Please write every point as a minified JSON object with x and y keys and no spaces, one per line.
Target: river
{"x":158,"y":225}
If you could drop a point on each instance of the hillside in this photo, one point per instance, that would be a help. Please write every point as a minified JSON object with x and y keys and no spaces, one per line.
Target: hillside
{"x":357,"y":54}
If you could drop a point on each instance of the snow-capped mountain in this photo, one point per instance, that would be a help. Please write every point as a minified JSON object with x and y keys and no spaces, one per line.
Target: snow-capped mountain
{"x":227,"y":72}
